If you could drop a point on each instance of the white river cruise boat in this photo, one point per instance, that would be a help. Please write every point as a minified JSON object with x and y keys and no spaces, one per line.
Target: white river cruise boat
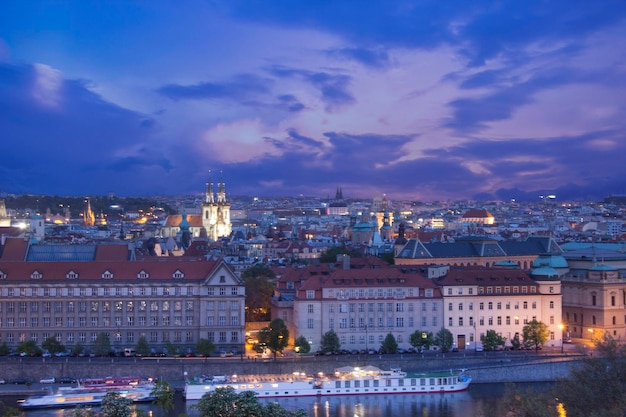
{"x":91,"y":392}
{"x":345,"y":381}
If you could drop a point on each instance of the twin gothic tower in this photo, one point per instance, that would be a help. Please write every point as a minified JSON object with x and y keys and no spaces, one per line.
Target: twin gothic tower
{"x":216,"y":211}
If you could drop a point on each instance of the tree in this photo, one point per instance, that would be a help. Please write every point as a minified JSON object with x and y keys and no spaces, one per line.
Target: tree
{"x":82,"y":412}
{"x":419,"y":339}
{"x":142,"y":348}
{"x":4,"y":349}
{"x":535,"y":334}
{"x":29,"y":347}
{"x":102,"y":345}
{"x":164,"y":396}
{"x":205,"y":347}
{"x":597,"y":387}
{"x":492,"y":340}
{"x":389,"y":345}
{"x":330,"y":256}
{"x":515,"y":342}
{"x":224,"y":402}
{"x":52,"y":345}
{"x":259,"y":283}
{"x":275,"y":337}
{"x":78,"y":349}
{"x":172,"y":349}
{"x":6,"y":411}
{"x":330,"y":342}
{"x":444,"y":339}
{"x":114,"y":405}
{"x":301,"y":345}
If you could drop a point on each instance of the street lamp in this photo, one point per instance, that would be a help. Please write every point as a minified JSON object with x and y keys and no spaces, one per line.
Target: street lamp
{"x":561,"y":327}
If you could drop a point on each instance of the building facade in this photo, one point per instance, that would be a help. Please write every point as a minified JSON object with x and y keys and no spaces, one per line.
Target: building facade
{"x":113,"y":290}
{"x":594,"y":292}
{"x":476,"y":300}
{"x":363,"y":303}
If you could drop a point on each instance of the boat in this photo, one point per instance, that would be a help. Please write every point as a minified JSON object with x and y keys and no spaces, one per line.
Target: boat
{"x":91,"y":392}
{"x":344,"y":381}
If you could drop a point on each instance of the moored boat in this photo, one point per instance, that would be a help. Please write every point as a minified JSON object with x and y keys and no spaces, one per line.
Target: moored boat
{"x":344,"y":381}
{"x":91,"y":392}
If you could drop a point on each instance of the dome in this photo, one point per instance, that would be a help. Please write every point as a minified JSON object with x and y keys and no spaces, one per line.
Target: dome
{"x":544,"y":271}
{"x":554,"y":261}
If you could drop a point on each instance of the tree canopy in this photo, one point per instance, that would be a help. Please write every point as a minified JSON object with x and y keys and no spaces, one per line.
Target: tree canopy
{"x":302,"y":345}
{"x":225,"y":402}
{"x":275,"y":337}
{"x":259,"y":283}
{"x":330,"y":342}
{"x":444,"y":339}
{"x":52,"y":345}
{"x":535,"y":334}
{"x":143,"y":347}
{"x":102,"y":345}
{"x":492,"y":340}
{"x":205,"y":347}
{"x":421,"y":338}
{"x":389,"y":345}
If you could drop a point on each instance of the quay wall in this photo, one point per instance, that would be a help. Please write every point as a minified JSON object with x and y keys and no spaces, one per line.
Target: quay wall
{"x":483,"y":369}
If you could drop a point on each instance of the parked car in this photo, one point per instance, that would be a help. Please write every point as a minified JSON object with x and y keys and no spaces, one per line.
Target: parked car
{"x":46,"y":354}
{"x":48,"y":380}
{"x":67,"y":380}
{"x":2,"y":381}
{"x":22,"y":381}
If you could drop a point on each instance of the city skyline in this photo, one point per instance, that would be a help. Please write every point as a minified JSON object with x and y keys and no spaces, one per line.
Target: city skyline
{"x":416,"y":100}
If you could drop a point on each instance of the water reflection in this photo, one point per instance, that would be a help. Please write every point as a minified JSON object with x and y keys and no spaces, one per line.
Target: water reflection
{"x":458,"y":404}
{"x":432,"y":405}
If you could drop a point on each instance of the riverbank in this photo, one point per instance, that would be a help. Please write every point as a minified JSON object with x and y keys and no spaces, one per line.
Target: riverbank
{"x":486,"y":367}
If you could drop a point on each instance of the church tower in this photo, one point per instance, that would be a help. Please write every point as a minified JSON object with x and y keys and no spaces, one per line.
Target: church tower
{"x":216,"y":211}
{"x":89,"y":219}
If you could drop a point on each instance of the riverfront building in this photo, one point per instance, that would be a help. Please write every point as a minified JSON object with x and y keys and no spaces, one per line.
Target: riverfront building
{"x":76,"y":292}
{"x":363,"y":300}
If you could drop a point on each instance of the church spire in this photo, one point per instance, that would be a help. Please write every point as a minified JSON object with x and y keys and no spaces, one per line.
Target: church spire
{"x":221,"y":190}
{"x":209,"y":195}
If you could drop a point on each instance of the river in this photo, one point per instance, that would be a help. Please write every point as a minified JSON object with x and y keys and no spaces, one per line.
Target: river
{"x":458,"y":404}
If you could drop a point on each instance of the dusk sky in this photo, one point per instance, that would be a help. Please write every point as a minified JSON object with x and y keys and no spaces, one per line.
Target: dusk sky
{"x":424,"y":100}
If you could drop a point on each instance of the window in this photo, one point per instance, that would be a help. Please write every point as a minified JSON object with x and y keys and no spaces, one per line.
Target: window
{"x":310,"y":294}
{"x":460,"y":306}
{"x":449,"y":306}
{"x":310,"y":309}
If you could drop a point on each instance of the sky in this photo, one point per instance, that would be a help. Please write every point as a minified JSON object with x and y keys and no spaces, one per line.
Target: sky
{"x":421,"y":100}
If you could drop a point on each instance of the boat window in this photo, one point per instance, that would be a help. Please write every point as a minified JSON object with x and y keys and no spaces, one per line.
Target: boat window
{"x":347,"y":384}
{"x":413,"y":382}
{"x":366,"y":384}
{"x":400,"y":382}
{"x":357,"y":384}
{"x":422,"y":381}
{"x":375,"y":383}
{"x":337,"y":384}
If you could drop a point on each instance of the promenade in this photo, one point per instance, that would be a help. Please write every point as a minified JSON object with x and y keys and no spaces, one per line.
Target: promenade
{"x":485,"y":367}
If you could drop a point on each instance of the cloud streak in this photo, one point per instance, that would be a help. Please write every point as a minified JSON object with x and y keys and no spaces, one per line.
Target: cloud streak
{"x":423,"y":100}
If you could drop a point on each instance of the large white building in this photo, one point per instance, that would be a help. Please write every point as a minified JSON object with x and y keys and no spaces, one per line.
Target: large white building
{"x":505,"y":300}
{"x":74,"y":293}
{"x":363,"y":302}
